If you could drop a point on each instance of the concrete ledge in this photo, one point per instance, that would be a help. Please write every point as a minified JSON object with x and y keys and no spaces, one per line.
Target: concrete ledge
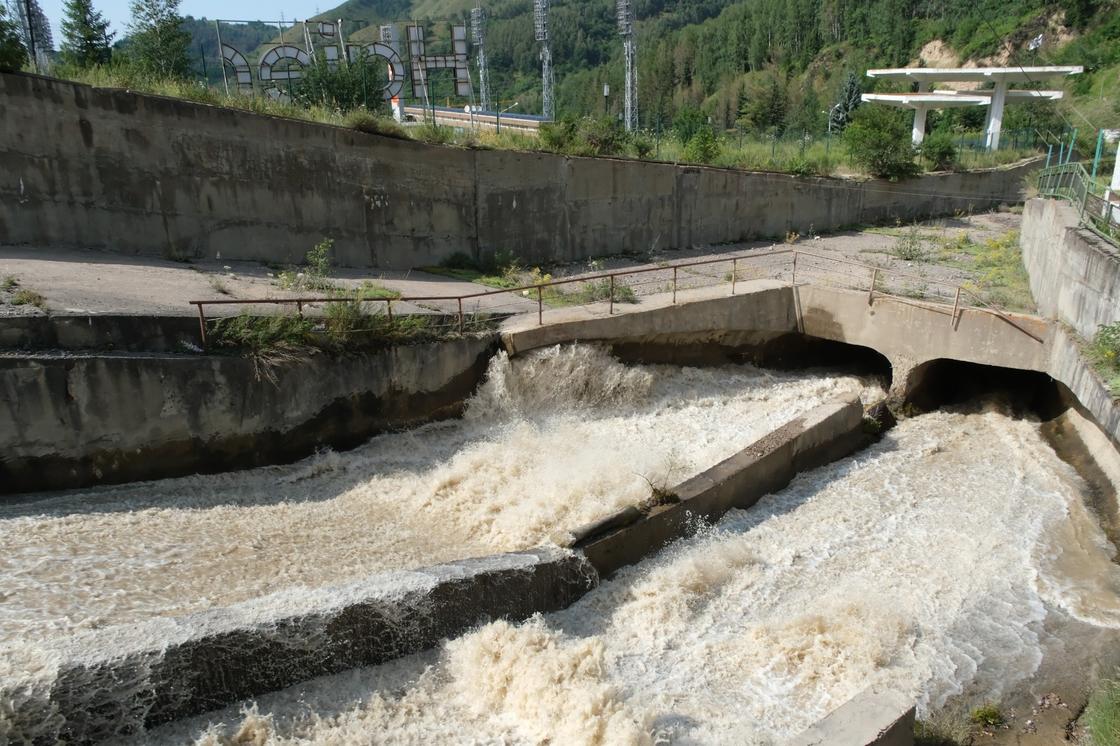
{"x":874,"y":717}
{"x":118,"y":680}
{"x":128,"y":333}
{"x":71,"y":420}
{"x":1069,"y":365}
{"x":822,"y":435}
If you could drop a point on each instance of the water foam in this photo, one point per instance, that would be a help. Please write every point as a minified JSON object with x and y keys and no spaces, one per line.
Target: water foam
{"x":550,"y":442}
{"x":913,"y":565}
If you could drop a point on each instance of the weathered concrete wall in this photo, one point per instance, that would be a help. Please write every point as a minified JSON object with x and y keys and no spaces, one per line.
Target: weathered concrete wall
{"x":822,"y":435}
{"x":1074,"y":274}
{"x":127,"y":333}
{"x":142,"y":174}
{"x":874,"y":717}
{"x":121,"y":679}
{"x":72,"y":420}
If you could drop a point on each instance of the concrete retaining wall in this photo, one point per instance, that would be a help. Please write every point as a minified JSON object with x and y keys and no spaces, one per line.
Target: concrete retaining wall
{"x":119,"y":680}
{"x":127,"y":333}
{"x":134,"y":173}
{"x":822,"y":435}
{"x":70,"y":420}
{"x":1074,"y":274}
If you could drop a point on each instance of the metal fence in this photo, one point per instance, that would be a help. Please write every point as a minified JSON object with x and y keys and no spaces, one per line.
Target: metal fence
{"x":1099,"y":209}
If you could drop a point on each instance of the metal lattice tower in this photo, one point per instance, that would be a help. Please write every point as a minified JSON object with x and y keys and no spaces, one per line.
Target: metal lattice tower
{"x":625,"y":11}
{"x":478,"y":35}
{"x":540,"y":26}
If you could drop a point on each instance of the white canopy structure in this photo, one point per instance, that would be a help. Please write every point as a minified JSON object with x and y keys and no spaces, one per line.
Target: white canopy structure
{"x":994,"y":98}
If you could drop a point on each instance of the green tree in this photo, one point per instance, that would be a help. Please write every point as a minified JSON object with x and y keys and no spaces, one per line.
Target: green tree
{"x":848,"y":101}
{"x":879,"y":140}
{"x":12,"y":54}
{"x":159,"y":42}
{"x":85,"y":35}
{"x":688,"y":122}
{"x":702,"y":148}
{"x":766,"y":107}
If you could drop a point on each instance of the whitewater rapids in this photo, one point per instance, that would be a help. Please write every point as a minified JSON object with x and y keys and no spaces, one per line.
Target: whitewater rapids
{"x":548,"y":443}
{"x":927,"y":563}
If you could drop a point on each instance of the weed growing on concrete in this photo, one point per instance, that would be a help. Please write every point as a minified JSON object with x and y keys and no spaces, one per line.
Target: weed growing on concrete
{"x":365,"y":121}
{"x":911,"y":246}
{"x":1003,"y":280}
{"x":943,"y":728}
{"x":1104,"y":353}
{"x":986,"y":716}
{"x":9,"y":283}
{"x":1102,"y":714}
{"x":24,"y":297}
{"x":218,"y":286}
{"x":315,"y":275}
{"x":370,"y":290}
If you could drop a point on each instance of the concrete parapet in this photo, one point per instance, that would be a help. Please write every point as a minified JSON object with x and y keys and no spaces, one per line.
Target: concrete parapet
{"x":874,"y":717}
{"x":124,"y":332}
{"x":823,"y":434}
{"x":119,"y":680}
{"x":71,"y":420}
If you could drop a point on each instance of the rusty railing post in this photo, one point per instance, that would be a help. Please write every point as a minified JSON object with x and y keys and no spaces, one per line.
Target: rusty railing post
{"x":389,"y":309}
{"x":612,"y":295}
{"x":871,"y":290}
{"x":793,"y":280}
{"x":299,"y":307}
{"x":956,"y":305}
{"x":674,"y":285}
{"x":202,"y":325}
{"x":540,"y":306}
{"x":734,"y":272}
{"x":460,"y":299}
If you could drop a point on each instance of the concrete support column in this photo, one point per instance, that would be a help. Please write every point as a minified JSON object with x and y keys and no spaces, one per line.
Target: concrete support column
{"x":995,"y":115}
{"x":919,"y":132}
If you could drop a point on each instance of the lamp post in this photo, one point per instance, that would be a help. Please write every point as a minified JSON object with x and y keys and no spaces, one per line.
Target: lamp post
{"x":606,"y":98}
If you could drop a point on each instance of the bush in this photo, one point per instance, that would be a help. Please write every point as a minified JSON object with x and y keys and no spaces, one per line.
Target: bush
{"x":1105,"y":355}
{"x":940,"y":151}
{"x":702,"y":148}
{"x":345,"y":87}
{"x":557,"y":137}
{"x":434,"y":134}
{"x":910,"y":246}
{"x":641,"y":145}
{"x":879,"y":140}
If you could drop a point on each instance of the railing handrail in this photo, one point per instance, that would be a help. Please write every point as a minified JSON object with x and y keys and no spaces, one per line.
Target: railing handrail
{"x":612,"y":275}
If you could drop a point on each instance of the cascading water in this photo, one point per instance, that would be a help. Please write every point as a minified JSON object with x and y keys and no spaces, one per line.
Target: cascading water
{"x":549,"y":443}
{"x":927,"y":563}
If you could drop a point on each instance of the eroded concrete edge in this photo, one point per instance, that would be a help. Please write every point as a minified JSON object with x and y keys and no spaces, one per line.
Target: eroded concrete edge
{"x":874,"y":717}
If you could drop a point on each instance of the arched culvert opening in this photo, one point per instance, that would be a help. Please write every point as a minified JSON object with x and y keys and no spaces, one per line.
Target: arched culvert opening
{"x":791,"y":351}
{"x":946,"y":383}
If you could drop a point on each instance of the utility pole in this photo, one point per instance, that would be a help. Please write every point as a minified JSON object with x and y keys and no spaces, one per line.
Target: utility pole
{"x":31,"y":34}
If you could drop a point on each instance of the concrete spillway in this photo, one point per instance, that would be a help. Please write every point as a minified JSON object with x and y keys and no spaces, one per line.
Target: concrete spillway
{"x":549,"y":443}
{"x":936,"y":562}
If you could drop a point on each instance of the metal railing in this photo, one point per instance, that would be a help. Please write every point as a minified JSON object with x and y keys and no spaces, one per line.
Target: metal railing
{"x":1099,"y":211}
{"x":787,"y":265}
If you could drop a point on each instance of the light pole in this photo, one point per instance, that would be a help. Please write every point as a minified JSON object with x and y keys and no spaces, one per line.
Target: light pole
{"x":606,"y":99}
{"x":498,"y":118}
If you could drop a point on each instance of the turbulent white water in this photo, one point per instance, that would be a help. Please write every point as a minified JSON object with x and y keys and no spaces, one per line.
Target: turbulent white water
{"x":549,"y":443}
{"x":926,"y":563}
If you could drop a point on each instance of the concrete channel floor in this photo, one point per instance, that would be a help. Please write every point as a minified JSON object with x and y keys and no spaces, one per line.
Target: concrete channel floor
{"x":76,"y":281}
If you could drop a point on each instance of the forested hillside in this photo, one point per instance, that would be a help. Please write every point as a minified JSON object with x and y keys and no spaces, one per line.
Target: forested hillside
{"x":786,"y":58}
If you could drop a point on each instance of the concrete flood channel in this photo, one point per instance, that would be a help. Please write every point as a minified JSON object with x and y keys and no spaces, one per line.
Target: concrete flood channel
{"x":949,"y":561}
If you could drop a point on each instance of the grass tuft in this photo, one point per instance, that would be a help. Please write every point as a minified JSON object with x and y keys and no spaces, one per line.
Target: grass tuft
{"x":9,"y":283}
{"x":986,"y":716}
{"x":24,"y":297}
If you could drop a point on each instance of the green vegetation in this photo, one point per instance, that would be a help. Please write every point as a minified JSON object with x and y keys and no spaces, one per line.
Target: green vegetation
{"x":24,"y":297}
{"x":1104,"y":352}
{"x":942,"y":729}
{"x":1102,"y":715}
{"x":986,"y":716}
{"x":9,"y":282}
{"x":879,"y":140}
{"x":939,"y":151}
{"x":1002,"y":279}
{"x":158,"y":46}
{"x":911,"y":246}
{"x":13,"y":56}
{"x":85,"y":35}
{"x":314,"y":276}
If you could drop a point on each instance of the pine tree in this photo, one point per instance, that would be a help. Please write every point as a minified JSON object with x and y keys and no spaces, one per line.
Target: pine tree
{"x":159,"y":41}
{"x":849,"y":101}
{"x":85,"y":35}
{"x":12,"y":53}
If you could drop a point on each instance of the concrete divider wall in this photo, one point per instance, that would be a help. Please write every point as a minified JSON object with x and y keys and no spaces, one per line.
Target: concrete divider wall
{"x":822,"y":435}
{"x":119,"y":680}
{"x":70,"y":420}
{"x":1074,"y":273}
{"x":136,"y":173}
{"x":874,"y":717}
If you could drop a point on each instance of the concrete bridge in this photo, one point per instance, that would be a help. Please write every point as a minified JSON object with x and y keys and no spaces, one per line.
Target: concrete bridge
{"x":765,"y":316}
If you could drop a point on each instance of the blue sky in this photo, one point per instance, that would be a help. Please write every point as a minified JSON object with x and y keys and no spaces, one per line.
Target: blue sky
{"x":248,"y":10}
